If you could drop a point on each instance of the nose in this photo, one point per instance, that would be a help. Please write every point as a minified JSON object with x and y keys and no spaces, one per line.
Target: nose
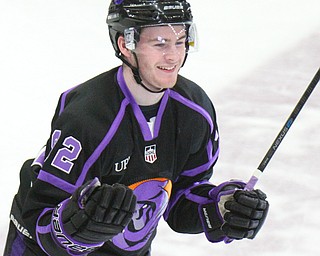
{"x":172,"y":53}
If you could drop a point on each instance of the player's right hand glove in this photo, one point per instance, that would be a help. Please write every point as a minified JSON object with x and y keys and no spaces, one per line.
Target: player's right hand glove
{"x":94,"y":214}
{"x":233,"y":213}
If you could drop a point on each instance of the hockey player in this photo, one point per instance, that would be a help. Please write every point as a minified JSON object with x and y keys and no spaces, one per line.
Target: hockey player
{"x":129,"y":146}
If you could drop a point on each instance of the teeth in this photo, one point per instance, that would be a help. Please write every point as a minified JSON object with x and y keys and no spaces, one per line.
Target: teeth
{"x":167,"y":68}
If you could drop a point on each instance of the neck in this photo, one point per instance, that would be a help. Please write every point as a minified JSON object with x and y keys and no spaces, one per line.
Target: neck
{"x":140,"y":94}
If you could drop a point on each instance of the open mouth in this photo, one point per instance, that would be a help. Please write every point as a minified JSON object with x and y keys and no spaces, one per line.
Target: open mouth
{"x":167,"y":68}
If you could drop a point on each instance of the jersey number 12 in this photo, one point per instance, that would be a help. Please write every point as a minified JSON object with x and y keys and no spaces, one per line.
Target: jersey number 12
{"x":70,"y":152}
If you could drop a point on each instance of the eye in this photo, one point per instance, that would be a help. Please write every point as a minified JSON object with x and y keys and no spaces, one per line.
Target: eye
{"x":180,"y":43}
{"x":160,"y":45}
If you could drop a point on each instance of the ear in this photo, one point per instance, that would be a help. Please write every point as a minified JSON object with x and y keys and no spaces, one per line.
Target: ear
{"x":122,"y":47}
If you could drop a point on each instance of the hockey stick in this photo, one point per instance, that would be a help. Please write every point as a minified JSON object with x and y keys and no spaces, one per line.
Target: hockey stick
{"x":255,"y":176}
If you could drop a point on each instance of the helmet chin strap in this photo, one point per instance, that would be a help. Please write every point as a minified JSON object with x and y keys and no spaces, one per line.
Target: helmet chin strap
{"x":136,"y":74}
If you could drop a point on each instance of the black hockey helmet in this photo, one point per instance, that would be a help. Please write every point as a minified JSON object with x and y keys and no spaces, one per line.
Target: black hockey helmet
{"x":128,"y":17}
{"x":124,"y":14}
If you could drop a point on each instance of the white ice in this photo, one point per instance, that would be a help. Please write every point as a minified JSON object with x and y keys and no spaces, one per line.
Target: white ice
{"x":256,"y":58}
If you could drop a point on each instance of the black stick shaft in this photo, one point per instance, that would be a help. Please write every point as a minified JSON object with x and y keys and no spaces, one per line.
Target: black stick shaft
{"x":254,"y":178}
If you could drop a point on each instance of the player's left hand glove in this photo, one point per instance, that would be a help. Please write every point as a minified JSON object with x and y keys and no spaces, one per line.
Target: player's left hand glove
{"x":233,"y":213}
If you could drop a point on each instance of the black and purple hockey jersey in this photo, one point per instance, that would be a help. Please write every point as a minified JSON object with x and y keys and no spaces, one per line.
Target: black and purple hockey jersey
{"x":98,"y":130}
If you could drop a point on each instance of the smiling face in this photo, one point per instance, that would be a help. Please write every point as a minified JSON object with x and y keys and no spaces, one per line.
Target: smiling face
{"x":160,"y":53}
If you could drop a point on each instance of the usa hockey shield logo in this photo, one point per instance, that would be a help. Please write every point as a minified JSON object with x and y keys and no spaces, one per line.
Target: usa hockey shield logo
{"x":150,"y":154}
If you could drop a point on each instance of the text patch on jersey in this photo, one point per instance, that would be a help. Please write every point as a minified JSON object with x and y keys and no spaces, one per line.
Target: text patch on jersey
{"x":150,"y":154}
{"x":122,"y":165}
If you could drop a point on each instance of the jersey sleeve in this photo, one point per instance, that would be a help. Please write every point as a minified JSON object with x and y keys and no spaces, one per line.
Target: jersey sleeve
{"x":64,"y":166}
{"x":182,"y":211}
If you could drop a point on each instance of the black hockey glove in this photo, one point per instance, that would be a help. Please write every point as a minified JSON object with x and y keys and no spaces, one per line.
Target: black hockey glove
{"x":233,"y":213}
{"x":94,"y":214}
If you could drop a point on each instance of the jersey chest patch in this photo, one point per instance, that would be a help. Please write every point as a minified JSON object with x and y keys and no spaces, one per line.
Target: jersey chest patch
{"x":122,"y":165}
{"x":150,"y":154}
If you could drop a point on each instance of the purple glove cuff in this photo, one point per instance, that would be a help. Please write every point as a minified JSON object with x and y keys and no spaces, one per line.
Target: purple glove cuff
{"x":209,"y":211}
{"x":87,"y":191}
{"x":217,"y":192}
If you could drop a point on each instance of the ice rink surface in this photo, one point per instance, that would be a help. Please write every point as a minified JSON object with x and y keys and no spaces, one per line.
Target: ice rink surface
{"x":256,"y":58}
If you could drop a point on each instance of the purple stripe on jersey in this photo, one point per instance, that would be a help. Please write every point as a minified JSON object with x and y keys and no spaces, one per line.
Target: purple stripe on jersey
{"x":193,"y":106}
{"x":123,"y":85}
{"x":136,"y":109}
{"x":57,"y":182}
{"x":63,"y":99}
{"x":206,"y":115}
{"x":42,"y":229}
{"x":209,"y":149}
{"x":18,"y":246}
{"x":202,"y":168}
{"x":106,"y":140}
{"x":147,"y":135}
{"x":161,"y":110}
{"x":177,"y":196}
